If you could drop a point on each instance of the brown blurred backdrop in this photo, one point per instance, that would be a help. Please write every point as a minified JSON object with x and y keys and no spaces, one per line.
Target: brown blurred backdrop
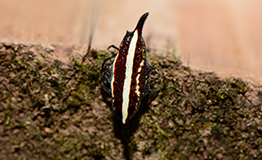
{"x":219,"y":35}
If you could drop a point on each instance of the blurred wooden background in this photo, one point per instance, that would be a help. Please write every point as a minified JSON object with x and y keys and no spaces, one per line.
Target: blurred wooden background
{"x":219,"y":35}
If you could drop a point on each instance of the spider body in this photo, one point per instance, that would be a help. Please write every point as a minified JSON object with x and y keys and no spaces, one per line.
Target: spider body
{"x":126,"y":78}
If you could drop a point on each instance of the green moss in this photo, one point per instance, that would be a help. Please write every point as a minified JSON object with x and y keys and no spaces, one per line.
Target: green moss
{"x":40,"y":65}
{"x":55,"y":111}
{"x":51,"y":70}
{"x":21,"y":63}
{"x":83,"y":67}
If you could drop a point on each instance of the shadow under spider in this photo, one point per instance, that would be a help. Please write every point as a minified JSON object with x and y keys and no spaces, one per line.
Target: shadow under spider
{"x":133,"y":123}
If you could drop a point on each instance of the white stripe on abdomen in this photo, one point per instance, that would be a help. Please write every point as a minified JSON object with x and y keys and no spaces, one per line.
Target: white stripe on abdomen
{"x":128,"y":76}
{"x":137,"y":78}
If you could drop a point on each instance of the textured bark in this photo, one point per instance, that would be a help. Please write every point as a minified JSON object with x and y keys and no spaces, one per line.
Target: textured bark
{"x":55,"y":110}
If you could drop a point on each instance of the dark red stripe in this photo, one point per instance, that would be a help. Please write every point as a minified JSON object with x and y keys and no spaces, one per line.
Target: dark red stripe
{"x":119,"y":74}
{"x":139,"y":58}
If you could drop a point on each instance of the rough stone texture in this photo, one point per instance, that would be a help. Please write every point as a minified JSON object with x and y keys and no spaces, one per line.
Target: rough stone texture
{"x":55,"y":110}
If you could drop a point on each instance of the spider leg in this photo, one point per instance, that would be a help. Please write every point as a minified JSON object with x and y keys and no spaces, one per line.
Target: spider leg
{"x":105,"y":88}
{"x":107,"y":70}
{"x":107,"y":59}
{"x":106,"y":78}
{"x":153,"y":96}
{"x":112,"y":46}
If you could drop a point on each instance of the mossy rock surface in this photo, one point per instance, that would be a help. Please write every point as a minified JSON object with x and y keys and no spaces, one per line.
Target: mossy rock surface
{"x":55,"y":110}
